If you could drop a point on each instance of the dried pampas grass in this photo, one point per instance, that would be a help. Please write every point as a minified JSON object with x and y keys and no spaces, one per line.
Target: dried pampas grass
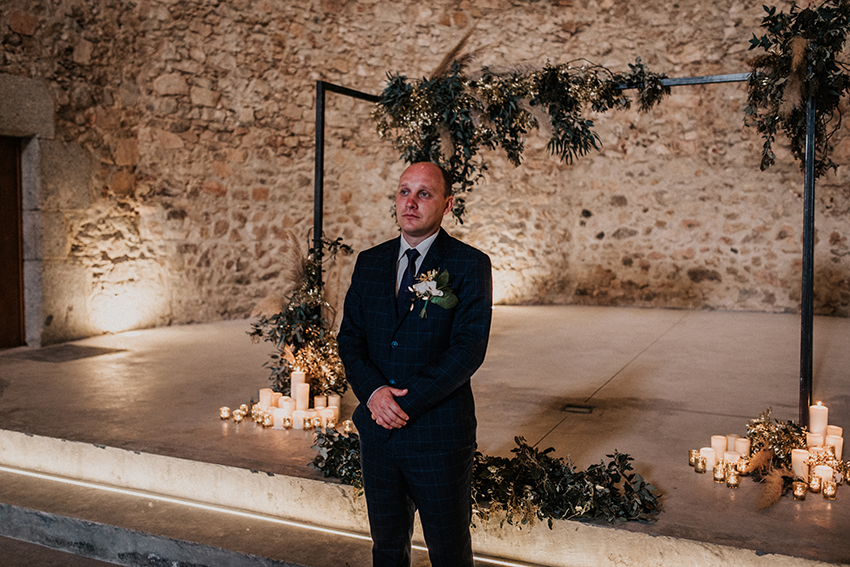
{"x":773,"y":487}
{"x":792,"y":96}
{"x":760,"y":460}
{"x":292,"y":276}
{"x":454,"y":55}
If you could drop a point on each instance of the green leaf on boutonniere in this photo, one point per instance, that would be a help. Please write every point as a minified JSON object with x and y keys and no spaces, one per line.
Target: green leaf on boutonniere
{"x":434,"y":288}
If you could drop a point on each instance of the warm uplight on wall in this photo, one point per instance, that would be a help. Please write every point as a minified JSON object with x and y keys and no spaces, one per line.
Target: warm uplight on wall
{"x":506,"y":285}
{"x":125,"y":306}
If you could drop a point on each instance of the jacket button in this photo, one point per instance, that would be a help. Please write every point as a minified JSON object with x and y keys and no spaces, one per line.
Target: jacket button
{"x":394,"y":344}
{"x":392,"y":382}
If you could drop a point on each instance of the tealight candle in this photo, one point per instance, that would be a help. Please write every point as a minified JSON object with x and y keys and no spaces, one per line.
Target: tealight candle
{"x":730,"y":441}
{"x":692,"y":456}
{"x":710,"y":457}
{"x":814,"y":440}
{"x":799,"y":463}
{"x":287,"y":422}
{"x":718,"y":443}
{"x":268,"y":420}
{"x":720,"y":471}
{"x":733,"y":480}
{"x":742,"y":445}
{"x":818,"y":418}
{"x":741,"y":466}
{"x":700,"y":465}
{"x":814,"y":483}
{"x":238,"y":416}
{"x":224,"y":412}
{"x":800,"y":488}
{"x":330,"y":424}
{"x":244,"y":408}
{"x":308,"y":423}
{"x":317,"y":422}
{"x":348,"y":426}
{"x":829,"y":488}
{"x":837,"y":442}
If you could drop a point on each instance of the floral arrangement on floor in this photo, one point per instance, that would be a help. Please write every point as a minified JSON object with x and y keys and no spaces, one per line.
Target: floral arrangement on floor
{"x":530,"y":486}
{"x":771,"y":443}
{"x":301,"y":331}
{"x":451,"y":116}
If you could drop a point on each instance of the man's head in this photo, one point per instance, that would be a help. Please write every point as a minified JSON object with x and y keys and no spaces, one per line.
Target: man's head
{"x":422,"y":199}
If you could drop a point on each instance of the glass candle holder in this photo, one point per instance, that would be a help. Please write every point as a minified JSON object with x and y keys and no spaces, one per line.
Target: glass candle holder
{"x":814,"y":483}
{"x":741,"y":466}
{"x":800,"y":489}
{"x":720,"y":471}
{"x":224,"y":412}
{"x":733,"y":479}
{"x":268,"y":420}
{"x":317,"y":422}
{"x":244,"y":408}
{"x":348,"y":426}
{"x":693,"y":454}
{"x":238,"y":416}
{"x":330,"y":424}
{"x":287,"y":423}
{"x":829,"y":489}
{"x":308,"y":423}
{"x":700,"y":465}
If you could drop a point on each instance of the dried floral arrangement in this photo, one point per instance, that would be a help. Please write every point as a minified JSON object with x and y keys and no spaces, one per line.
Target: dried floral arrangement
{"x":450,"y":117}
{"x":800,"y":60}
{"x":302,"y":329}
{"x":530,"y":486}
{"x":771,"y":443}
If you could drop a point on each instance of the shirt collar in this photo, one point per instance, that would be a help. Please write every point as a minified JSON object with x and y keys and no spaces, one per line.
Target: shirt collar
{"x":422,"y":247}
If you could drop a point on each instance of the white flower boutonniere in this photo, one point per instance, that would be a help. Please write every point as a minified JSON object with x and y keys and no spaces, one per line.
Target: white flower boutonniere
{"x":433,"y":288}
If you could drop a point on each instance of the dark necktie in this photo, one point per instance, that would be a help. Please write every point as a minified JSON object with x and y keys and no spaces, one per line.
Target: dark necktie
{"x":407,"y":280}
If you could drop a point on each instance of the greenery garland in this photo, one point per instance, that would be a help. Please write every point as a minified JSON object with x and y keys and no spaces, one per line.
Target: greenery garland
{"x":302,"y":334}
{"x":448,"y":119}
{"x":800,"y":61}
{"x":532,"y":485}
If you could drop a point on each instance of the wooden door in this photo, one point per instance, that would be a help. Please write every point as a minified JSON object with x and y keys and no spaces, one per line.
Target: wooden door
{"x":11,"y":246}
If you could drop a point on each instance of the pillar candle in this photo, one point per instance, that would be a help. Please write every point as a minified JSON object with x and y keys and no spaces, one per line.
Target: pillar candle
{"x":276,"y":396}
{"x":298,"y":419}
{"x":282,"y":400}
{"x":327,"y":413}
{"x":814,"y":439}
{"x":289,"y":406}
{"x":265,"y":398}
{"x":297,"y":377}
{"x":731,"y":456}
{"x":798,"y":463}
{"x":718,"y":443}
{"x":837,"y":442}
{"x":730,"y":441}
{"x":336,"y":412}
{"x":834,"y":430}
{"x":334,"y":400}
{"x":302,"y":397}
{"x":742,"y":445}
{"x":818,"y":418}
{"x":279,"y":414}
{"x":824,"y":472}
{"x":710,"y":456}
{"x":320,"y":402}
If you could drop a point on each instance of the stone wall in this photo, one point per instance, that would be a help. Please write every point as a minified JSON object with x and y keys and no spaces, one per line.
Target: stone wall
{"x":183,"y":156}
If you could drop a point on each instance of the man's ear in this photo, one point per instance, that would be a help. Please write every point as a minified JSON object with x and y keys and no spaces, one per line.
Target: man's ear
{"x":449,"y":204}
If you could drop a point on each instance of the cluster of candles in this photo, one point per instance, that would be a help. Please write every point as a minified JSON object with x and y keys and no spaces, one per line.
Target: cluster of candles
{"x":728,"y":457}
{"x":284,"y":412}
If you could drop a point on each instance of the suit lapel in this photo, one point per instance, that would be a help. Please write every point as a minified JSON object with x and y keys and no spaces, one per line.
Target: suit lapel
{"x":431,"y":262}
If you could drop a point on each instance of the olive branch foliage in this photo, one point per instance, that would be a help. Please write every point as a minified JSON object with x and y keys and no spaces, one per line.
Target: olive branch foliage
{"x":449,"y":119}
{"x":800,"y":60}
{"x":302,"y":333}
{"x":530,"y":486}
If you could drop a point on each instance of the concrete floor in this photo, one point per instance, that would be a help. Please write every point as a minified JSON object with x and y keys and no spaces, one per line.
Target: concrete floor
{"x":659,"y":382}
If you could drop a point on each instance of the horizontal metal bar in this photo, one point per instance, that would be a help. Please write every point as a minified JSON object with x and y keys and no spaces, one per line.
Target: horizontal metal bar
{"x":733,"y":78}
{"x":350,"y":92}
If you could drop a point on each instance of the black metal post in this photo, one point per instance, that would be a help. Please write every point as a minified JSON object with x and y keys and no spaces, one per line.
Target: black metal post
{"x":807,"y":303}
{"x":319,"y":172}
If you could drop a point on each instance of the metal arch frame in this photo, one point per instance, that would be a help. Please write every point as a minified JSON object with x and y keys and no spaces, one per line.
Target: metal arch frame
{"x":807,"y":302}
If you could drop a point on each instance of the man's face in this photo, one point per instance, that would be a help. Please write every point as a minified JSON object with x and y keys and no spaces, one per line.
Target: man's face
{"x":421,"y":202}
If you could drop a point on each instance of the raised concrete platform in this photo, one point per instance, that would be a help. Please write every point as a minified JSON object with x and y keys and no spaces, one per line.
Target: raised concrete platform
{"x":140,"y":411}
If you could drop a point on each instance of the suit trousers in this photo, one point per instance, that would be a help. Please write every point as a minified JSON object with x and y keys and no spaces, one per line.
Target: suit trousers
{"x":437,"y":483}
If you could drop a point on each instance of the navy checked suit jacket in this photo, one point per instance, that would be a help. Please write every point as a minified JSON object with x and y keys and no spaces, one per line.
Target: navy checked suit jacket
{"x":433,"y":357}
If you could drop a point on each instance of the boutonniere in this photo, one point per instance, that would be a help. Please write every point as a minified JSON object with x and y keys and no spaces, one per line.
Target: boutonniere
{"x":433,"y":288}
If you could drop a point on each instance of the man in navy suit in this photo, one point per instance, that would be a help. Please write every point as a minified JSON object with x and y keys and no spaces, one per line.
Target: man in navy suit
{"x":411,"y":375}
